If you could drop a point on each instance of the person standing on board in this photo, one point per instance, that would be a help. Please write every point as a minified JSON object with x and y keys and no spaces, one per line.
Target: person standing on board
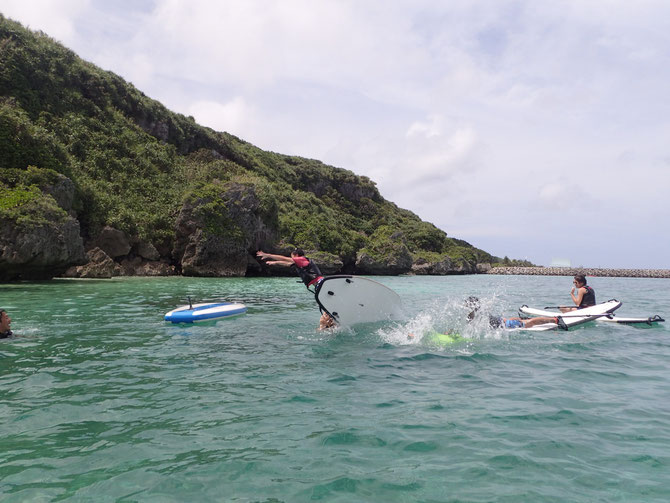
{"x":307,"y":270}
{"x":5,"y":325}
{"x":585,"y":297}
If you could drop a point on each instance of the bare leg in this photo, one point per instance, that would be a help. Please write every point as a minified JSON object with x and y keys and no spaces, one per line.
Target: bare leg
{"x":538,"y":321}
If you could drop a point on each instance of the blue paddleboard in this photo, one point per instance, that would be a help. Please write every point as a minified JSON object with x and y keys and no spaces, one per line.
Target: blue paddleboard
{"x":205,"y":312}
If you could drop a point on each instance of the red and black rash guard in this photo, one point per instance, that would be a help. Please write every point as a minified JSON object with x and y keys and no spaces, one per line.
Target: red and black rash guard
{"x":308,"y":270}
{"x":589,"y":298}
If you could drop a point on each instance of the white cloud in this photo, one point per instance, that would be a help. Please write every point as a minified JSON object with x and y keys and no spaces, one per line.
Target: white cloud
{"x":56,"y":19}
{"x":235,"y":117}
{"x":432,"y":155}
{"x":563,"y":197}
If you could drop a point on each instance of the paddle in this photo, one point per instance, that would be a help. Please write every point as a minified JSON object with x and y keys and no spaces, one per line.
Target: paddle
{"x":569,"y":307}
{"x":608,"y":315}
{"x":561,"y":324}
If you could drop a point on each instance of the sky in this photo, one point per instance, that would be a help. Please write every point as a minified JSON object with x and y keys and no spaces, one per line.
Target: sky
{"x":531,"y":129}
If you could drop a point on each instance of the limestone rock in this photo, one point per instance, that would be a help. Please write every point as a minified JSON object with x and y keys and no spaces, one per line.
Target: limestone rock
{"x":113,"y":242}
{"x":388,"y":255}
{"x":146,"y":250}
{"x":327,"y":262}
{"x":62,"y":190}
{"x":41,"y":251}
{"x":397,"y":262}
{"x":155,"y":268}
{"x":367,"y":264}
{"x":216,"y":232}
{"x":440,"y":268}
{"x":100,"y":265}
{"x":137,"y":267}
{"x":483,"y":268}
{"x":463,"y":267}
{"x":254,"y":267}
{"x":159,"y":129}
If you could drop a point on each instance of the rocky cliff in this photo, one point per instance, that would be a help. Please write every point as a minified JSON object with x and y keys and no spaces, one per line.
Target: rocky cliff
{"x":98,"y":180}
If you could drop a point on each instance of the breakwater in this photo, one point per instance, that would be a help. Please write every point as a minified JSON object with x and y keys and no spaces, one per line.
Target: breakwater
{"x":586,"y":271}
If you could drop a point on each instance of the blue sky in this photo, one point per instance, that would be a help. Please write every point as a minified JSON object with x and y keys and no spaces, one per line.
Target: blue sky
{"x":531,"y":129}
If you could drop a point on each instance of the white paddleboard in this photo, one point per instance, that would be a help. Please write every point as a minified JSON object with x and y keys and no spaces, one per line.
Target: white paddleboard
{"x":632,"y":320}
{"x":571,"y":318}
{"x":624,"y":320}
{"x":354,"y":299}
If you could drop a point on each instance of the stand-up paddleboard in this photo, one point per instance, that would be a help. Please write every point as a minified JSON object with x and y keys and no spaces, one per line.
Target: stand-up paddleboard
{"x":631,"y":320}
{"x":624,"y":320}
{"x":199,"y":313}
{"x":574,"y":318}
{"x":354,"y":299}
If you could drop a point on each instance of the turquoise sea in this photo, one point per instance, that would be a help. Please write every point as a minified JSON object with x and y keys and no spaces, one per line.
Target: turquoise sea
{"x":100,"y":400}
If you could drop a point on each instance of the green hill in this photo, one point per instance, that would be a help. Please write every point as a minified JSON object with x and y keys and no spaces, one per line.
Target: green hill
{"x":81,"y":145}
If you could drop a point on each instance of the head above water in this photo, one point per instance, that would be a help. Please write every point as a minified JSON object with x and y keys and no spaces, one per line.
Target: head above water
{"x":5,"y":321}
{"x":298,"y":252}
{"x":580,"y":280}
{"x":326,"y":321}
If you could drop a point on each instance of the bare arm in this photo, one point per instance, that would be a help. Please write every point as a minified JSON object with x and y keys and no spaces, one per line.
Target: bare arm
{"x":580,"y":295}
{"x":279,"y":262}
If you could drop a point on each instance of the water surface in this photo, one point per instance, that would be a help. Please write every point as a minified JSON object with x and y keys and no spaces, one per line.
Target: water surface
{"x":101,"y":400}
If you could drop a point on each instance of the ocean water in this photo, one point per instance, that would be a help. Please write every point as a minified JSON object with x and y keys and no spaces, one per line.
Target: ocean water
{"x":100,"y":400}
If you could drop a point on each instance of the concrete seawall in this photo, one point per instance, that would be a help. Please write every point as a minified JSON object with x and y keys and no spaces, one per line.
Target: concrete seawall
{"x":586,"y":271}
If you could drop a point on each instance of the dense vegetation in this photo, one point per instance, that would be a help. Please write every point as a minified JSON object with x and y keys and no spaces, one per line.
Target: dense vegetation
{"x":133,"y":162}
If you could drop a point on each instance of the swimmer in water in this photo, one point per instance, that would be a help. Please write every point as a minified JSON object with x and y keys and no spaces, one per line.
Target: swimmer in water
{"x":5,"y":325}
{"x":327,"y":322}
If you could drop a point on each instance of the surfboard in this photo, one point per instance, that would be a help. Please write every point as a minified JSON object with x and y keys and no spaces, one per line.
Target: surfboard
{"x":355,"y":299}
{"x":573,"y":318}
{"x":624,"y":320}
{"x":199,"y":313}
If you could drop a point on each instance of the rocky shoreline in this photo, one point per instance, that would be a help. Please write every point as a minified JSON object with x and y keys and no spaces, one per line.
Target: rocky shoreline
{"x":586,"y":271}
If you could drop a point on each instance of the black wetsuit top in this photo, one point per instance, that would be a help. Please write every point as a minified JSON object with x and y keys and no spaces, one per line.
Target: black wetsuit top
{"x":309,"y":273}
{"x":589,"y":298}
{"x":5,"y":335}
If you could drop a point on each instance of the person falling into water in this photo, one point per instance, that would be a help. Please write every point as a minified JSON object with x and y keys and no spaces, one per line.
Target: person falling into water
{"x":307,"y":270}
{"x":5,"y":325}
{"x":585,"y":297}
